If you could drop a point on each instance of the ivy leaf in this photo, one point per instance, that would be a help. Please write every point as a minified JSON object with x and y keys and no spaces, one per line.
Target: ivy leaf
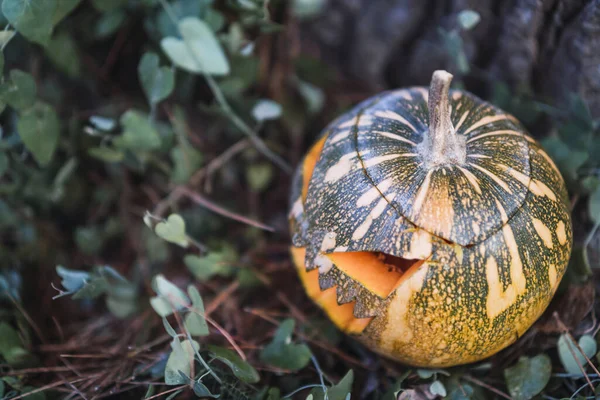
{"x":195,"y":323}
{"x":63,"y":8}
{"x":11,"y":347}
{"x":72,"y":280}
{"x":459,"y":390}
{"x":202,"y":391}
{"x":343,"y":388}
{"x":62,"y":51}
{"x":341,"y":391}
{"x":31,"y":18}
{"x":313,"y":96}
{"x":307,"y":8}
{"x":438,"y":388}
{"x":266,"y":109}
{"x":199,"y":51}
{"x":109,"y":23}
{"x":283,"y":353}
{"x":169,"y":298}
{"x":173,"y":230}
{"x":259,"y":176}
{"x":5,"y":36}
{"x":3,"y":164}
{"x":454,"y":45}
{"x":528,"y":377}
{"x":19,"y":92}
{"x":106,"y":154}
{"x":186,"y":160}
{"x":139,"y":132}
{"x":567,"y":160}
{"x":215,"y":263}
{"x":39,"y":129}
{"x":566,"y":349}
{"x":581,"y":111}
{"x":179,"y":361}
{"x":108,"y":5}
{"x":594,"y":206}
{"x":240,"y":368}
{"x":158,"y":82}
{"x":468,"y":19}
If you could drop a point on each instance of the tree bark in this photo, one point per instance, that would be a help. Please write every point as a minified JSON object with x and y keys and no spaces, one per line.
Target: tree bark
{"x":551,"y":47}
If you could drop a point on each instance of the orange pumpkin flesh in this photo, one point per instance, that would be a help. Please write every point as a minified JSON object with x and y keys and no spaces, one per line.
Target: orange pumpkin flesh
{"x":380,"y":273}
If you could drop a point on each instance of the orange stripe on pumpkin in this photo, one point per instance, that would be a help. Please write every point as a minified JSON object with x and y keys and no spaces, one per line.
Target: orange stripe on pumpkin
{"x":309,"y":164}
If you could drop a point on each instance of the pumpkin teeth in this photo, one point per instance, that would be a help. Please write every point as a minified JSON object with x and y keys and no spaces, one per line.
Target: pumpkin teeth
{"x":347,"y":290}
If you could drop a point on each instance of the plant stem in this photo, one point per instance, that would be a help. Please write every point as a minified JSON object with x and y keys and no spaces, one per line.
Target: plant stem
{"x":442,"y":145}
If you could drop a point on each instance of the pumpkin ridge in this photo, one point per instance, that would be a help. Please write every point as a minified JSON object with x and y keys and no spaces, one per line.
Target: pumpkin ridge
{"x":481,"y":114}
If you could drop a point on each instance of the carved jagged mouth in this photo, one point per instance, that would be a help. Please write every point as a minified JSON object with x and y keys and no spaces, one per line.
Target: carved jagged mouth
{"x":357,"y":287}
{"x":377,"y":272}
{"x":349,"y":302}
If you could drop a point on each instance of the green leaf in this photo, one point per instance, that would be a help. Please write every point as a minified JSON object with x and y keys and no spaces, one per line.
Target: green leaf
{"x":307,"y":8}
{"x":39,"y":129}
{"x":169,"y":298}
{"x":103,"y":123}
{"x":63,"y":8}
{"x":240,"y":368}
{"x":283,"y":353}
{"x":266,"y":109}
{"x":343,"y":388}
{"x":180,"y":359}
{"x":33,"y":396}
{"x":259,"y":176}
{"x":158,"y":82}
{"x":566,"y":349}
{"x":215,"y":263}
{"x":528,"y":377}
{"x":567,"y":160}
{"x":214,"y":19}
{"x":313,"y":96}
{"x":72,"y":280}
{"x":3,"y":164}
{"x":5,"y":36}
{"x":19,"y":92}
{"x":195,"y":323}
{"x":186,"y":160}
{"x":199,"y":51}
{"x":106,"y":154}
{"x":122,"y":300}
{"x":468,"y":19}
{"x":62,"y":51}
{"x":108,"y":5}
{"x":11,"y":347}
{"x":173,"y":230}
{"x":594,"y":206}
{"x":31,"y":18}
{"x":459,"y":390}
{"x":454,"y":45}
{"x":273,"y":394}
{"x":580,"y":111}
{"x":89,"y":239}
{"x":202,"y":391}
{"x":139,"y":133}
{"x":438,"y":388}
{"x":109,"y":23}
{"x":169,"y":328}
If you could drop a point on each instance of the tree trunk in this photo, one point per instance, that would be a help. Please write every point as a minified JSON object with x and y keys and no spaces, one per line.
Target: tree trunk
{"x":551,"y":47}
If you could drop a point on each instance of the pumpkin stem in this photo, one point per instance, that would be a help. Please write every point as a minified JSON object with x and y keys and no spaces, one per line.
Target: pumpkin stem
{"x":442,"y":145}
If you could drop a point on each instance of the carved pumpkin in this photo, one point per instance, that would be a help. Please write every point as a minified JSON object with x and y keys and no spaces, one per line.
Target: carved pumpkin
{"x":430,"y":226}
